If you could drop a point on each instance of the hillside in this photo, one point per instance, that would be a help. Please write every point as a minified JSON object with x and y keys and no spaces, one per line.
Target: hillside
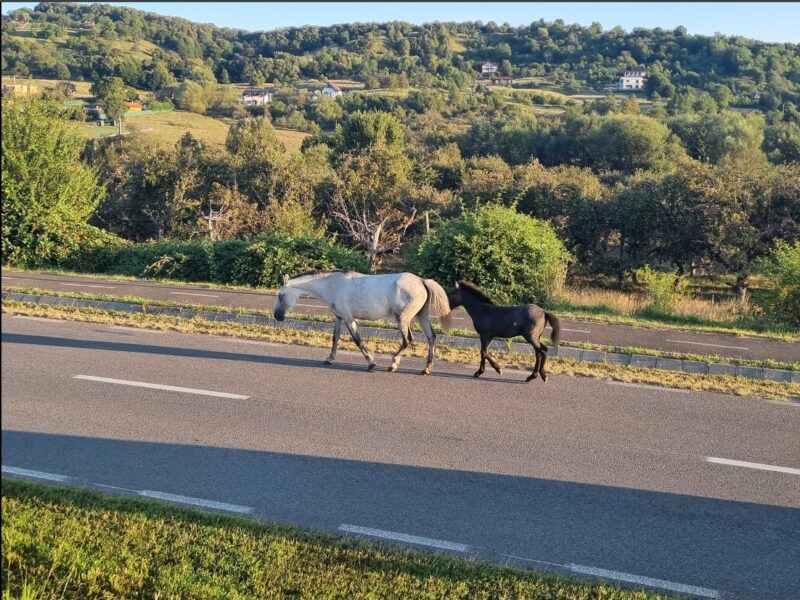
{"x":85,"y":42}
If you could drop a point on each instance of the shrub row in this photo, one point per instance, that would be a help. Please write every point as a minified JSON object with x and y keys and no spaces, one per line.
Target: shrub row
{"x":262,"y":261}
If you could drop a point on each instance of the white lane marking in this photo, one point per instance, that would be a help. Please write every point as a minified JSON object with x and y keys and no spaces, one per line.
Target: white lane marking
{"x":34,"y":474}
{"x":751,"y":465}
{"x":115,"y":487}
{"x":105,"y":287}
{"x":648,"y":581}
{"x":705,"y":344}
{"x":193,"y":294}
{"x":403,"y":537}
{"x":650,"y":387}
{"x":576,"y":330}
{"x":311,"y":305}
{"x":43,"y":319}
{"x":252,"y":342}
{"x":628,"y":577}
{"x":158,"y":386}
{"x":196,"y":501}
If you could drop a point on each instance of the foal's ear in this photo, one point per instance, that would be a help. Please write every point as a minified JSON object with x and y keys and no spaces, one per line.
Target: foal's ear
{"x":285,"y":279}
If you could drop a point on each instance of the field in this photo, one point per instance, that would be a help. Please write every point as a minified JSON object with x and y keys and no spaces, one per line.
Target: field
{"x":168,"y":127}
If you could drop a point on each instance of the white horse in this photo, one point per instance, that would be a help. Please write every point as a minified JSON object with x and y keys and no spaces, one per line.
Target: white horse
{"x":352,"y":296}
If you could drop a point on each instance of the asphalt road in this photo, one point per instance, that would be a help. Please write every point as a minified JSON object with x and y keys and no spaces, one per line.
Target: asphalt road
{"x":579,"y":331}
{"x":577,"y":475}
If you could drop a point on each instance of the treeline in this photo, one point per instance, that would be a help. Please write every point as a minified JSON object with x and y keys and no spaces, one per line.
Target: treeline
{"x":682,"y":68}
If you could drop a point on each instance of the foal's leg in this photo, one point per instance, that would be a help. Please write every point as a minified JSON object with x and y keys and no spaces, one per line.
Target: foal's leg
{"x":495,"y":366}
{"x":541,"y":364}
{"x":403,"y":326}
{"x":337,"y":329}
{"x":431,"y":335}
{"x":353,"y":328}
{"x":485,"y":341}
{"x":537,"y":348}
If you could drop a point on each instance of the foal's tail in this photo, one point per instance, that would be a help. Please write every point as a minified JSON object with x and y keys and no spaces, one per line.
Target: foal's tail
{"x":439,"y":304}
{"x":553,"y":320}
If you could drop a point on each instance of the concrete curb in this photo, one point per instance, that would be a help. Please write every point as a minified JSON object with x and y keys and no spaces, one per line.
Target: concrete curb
{"x":633,"y":360}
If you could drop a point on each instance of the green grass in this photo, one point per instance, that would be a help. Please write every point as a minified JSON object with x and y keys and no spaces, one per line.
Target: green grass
{"x":324,"y":318}
{"x":70,"y":543}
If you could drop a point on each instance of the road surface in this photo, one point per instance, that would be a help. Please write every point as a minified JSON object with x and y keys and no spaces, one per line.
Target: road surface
{"x":692,"y":492}
{"x":671,"y":340}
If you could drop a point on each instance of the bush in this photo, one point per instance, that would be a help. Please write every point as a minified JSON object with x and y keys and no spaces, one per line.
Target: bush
{"x":783,"y":301}
{"x":512,"y":257}
{"x":259,"y":262}
{"x":663,"y":289}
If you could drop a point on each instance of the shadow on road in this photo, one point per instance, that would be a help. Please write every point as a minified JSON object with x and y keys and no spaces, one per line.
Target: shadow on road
{"x":115,"y":346}
{"x":742,"y":547}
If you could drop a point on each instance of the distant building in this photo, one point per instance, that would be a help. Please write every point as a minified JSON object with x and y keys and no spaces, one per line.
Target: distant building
{"x":16,"y":88}
{"x":632,"y":79}
{"x":134,"y":106}
{"x":757,"y":97}
{"x":502,"y":80}
{"x":256,"y":96}
{"x":488,"y":68}
{"x":332,"y":90}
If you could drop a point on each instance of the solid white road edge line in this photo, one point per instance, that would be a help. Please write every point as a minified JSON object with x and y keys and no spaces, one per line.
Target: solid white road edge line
{"x":648,"y":581}
{"x":105,"y":287}
{"x":704,"y":344}
{"x":649,"y":387}
{"x":196,"y":501}
{"x":751,"y":465}
{"x":34,"y":474}
{"x":193,"y":294}
{"x":157,"y":386}
{"x":576,"y":330}
{"x":629,"y":578}
{"x":403,"y":537}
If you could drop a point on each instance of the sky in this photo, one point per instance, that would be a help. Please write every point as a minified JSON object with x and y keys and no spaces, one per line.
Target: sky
{"x":767,"y":21}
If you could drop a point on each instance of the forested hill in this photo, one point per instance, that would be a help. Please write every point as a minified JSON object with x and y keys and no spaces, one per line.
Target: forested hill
{"x":89,"y":41}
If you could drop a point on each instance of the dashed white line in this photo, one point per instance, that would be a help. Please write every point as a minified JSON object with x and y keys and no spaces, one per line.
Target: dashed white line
{"x":105,"y":287}
{"x":193,"y":294}
{"x":681,"y":588}
{"x":404,"y":537}
{"x":628,"y":577}
{"x":34,"y":474}
{"x":576,"y":330}
{"x":42,"y":319}
{"x":196,"y":501}
{"x":251,"y":342}
{"x":310,"y":305}
{"x":649,"y":387}
{"x":751,"y":465}
{"x":705,"y":344}
{"x":158,"y":386}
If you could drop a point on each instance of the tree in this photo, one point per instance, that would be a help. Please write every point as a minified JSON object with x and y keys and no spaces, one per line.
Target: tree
{"x":253,"y":138}
{"x":111,"y":93}
{"x":627,"y":143}
{"x":373,"y":205}
{"x":48,"y":192}
{"x":363,"y":130}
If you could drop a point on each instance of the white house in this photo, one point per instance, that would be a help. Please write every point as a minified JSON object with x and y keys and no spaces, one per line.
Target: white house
{"x":256,"y":96}
{"x":632,"y":79}
{"x":331,"y":90}
{"x":488,"y":68}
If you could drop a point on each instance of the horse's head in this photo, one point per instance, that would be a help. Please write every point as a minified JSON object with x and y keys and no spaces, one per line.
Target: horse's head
{"x":287,"y":298}
{"x":455,"y":297}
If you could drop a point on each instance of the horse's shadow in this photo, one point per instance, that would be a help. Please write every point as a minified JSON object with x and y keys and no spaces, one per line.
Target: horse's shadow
{"x":139,"y":348}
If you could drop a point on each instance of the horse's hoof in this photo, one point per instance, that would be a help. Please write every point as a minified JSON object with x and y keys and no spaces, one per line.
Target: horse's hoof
{"x":477,"y":374}
{"x":530,"y":378}
{"x":425,"y":372}
{"x":371,"y":366}
{"x":544,"y":377}
{"x":392,"y":369}
{"x":499,"y":371}
{"x":328,"y":361}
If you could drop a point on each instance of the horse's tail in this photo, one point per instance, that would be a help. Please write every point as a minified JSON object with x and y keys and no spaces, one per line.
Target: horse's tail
{"x":554,"y":323}
{"x":439,"y":304}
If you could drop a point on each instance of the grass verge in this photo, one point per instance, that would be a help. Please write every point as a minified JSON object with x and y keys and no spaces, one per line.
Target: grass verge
{"x":564,"y":308}
{"x":709,"y":383}
{"x":324,"y":318}
{"x":71,"y":543}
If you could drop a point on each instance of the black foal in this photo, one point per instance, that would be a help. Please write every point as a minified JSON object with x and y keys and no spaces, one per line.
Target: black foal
{"x":491,"y":321}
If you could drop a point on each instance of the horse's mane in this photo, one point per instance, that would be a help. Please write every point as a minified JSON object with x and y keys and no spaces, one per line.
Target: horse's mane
{"x":470,"y":287}
{"x":316,"y":272}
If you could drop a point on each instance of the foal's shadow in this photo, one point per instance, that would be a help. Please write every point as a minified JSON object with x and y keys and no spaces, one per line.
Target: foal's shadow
{"x":448,"y":375}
